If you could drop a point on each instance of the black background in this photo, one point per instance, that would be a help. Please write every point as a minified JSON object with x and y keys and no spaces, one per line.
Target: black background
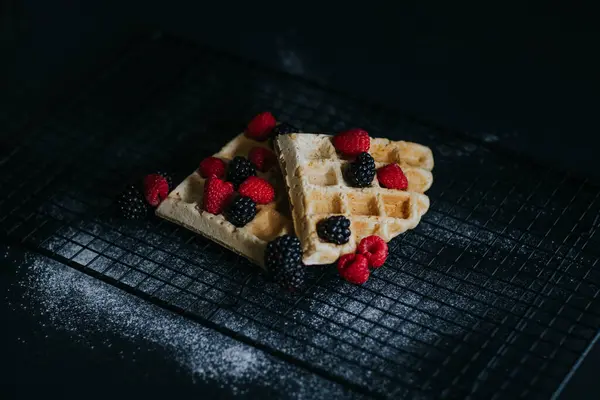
{"x":526,"y":74}
{"x":523,"y":76}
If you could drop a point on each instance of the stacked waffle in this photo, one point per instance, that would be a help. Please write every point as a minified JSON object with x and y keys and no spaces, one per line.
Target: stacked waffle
{"x":185,"y":206}
{"x":318,"y":190}
{"x":364,"y":190}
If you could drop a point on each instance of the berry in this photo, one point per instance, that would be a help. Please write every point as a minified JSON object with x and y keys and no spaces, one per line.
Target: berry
{"x":284,"y":129}
{"x":353,"y":142}
{"x":262,"y":158}
{"x":334,"y":229}
{"x":392,"y":177}
{"x":361,"y":172}
{"x":258,"y":189}
{"x":261,"y":126}
{"x":239,"y":170}
{"x":156,"y":189}
{"x":283,"y":262}
{"x":241,"y":211}
{"x":131,"y":204}
{"x":167,"y":177}
{"x":375,"y":250}
{"x":354,"y":268}
{"x":217,"y":194}
{"x":212,"y":166}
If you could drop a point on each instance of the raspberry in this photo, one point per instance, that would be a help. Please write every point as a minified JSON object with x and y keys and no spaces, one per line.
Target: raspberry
{"x":361,"y":172}
{"x":283,"y":260}
{"x":212,"y":166}
{"x":239,"y":169}
{"x":375,"y":250}
{"x":353,"y":142}
{"x":156,"y":189}
{"x":241,"y":211}
{"x":130,"y":203}
{"x":262,"y":158}
{"x":217,"y":194}
{"x":334,"y":229}
{"x":258,"y":189}
{"x":392,"y":177}
{"x":167,"y":177}
{"x":261,"y":126}
{"x":354,"y":268}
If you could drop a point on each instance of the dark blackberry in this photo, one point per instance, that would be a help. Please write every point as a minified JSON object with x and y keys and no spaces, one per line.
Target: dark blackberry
{"x":239,"y":169}
{"x":241,"y":211}
{"x":361,"y":172}
{"x":283,"y":129}
{"x":283,"y":257}
{"x":131,"y":204}
{"x":167,"y":177}
{"x":334,"y":229}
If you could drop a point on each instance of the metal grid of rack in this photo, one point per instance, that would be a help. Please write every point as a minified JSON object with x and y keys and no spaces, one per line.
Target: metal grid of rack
{"x":493,"y":295}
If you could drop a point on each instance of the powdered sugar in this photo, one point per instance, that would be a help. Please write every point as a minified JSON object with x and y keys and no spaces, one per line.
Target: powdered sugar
{"x":81,"y":305}
{"x":490,"y":137}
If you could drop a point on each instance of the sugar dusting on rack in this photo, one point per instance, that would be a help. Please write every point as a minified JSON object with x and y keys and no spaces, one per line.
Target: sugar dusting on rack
{"x":80,"y":305}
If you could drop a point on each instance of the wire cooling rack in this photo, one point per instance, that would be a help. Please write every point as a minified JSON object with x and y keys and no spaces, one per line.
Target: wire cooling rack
{"x":493,"y":295}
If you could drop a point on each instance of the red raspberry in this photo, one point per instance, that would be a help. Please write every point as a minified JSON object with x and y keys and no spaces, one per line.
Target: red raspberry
{"x":217,"y":194}
{"x":353,"y":142}
{"x":262,"y":158}
{"x":354,"y":268}
{"x":260,"y":126}
{"x":257,"y":189}
{"x":212,"y":166}
{"x":374,"y":249}
{"x":156,"y":189}
{"x":392,"y":177}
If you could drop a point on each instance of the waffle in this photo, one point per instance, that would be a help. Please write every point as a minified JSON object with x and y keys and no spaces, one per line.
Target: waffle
{"x":183,"y":206}
{"x":317,"y":190}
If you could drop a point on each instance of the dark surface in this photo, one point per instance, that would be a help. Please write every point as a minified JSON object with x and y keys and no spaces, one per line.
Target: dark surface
{"x":499,"y":276}
{"x":543,"y":92}
{"x":38,"y":352}
{"x":42,"y":355}
{"x":524,"y":76}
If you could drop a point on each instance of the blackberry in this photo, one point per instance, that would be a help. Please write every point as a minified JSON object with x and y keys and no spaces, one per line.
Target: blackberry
{"x":361,"y":172}
{"x":283,"y":129}
{"x":241,"y":211}
{"x":239,"y":169}
{"x":283,"y":257}
{"x":167,"y":177}
{"x":334,"y":229}
{"x":131,"y":203}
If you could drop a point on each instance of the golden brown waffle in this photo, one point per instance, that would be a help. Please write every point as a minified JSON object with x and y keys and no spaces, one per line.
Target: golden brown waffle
{"x":183,"y":206}
{"x":317,"y":190}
